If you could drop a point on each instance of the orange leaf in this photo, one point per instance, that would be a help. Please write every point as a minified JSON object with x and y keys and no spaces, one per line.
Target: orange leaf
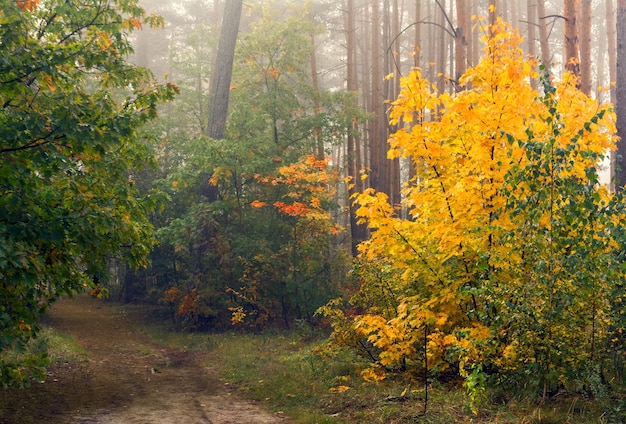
{"x":28,"y":5}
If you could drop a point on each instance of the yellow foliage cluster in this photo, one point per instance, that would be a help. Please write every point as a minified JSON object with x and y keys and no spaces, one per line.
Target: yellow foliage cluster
{"x":480,"y":293}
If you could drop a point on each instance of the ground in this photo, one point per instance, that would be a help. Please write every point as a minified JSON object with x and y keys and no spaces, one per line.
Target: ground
{"x":125,"y":377}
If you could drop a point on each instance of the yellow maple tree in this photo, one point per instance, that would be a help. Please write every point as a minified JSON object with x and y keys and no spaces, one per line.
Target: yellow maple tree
{"x":506,"y":218}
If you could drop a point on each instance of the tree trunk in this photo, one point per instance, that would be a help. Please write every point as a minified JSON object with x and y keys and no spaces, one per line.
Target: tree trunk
{"x":357,"y":231}
{"x":546,"y":57}
{"x":532,"y":34}
{"x":460,"y":41}
{"x":600,"y":51}
{"x":364,"y":144}
{"x":394,"y":165}
{"x":431,"y":57}
{"x":493,"y":10}
{"x":442,"y":44}
{"x":515,"y":11}
{"x":418,"y":35}
{"x":319,"y":141}
{"x":450,"y":46}
{"x":611,"y":27}
{"x":572,"y":60}
{"x":620,"y":94}
{"x":476,"y":35}
{"x":469,"y":35}
{"x":223,"y":69}
{"x":585,"y":46}
{"x":377,"y":121}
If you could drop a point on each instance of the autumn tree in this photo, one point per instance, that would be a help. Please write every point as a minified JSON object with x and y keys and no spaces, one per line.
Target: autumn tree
{"x":296,"y":277}
{"x":218,"y":248}
{"x":505,"y":271}
{"x":72,"y":117}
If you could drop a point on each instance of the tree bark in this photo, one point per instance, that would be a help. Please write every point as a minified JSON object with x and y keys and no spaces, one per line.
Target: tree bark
{"x":585,"y":46}
{"x":493,"y":10}
{"x":611,"y":27}
{"x":223,"y":69}
{"x":319,"y":141}
{"x":476,"y":44}
{"x":532,"y":34}
{"x":377,"y":121}
{"x":431,"y":57}
{"x":418,"y":35}
{"x":546,"y":56}
{"x":572,"y":59}
{"x":441,"y":46}
{"x":460,"y":41}
{"x":620,"y":94}
{"x":357,"y":231}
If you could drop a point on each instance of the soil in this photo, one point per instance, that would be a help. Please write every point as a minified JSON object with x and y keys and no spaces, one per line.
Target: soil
{"x":125,"y":378}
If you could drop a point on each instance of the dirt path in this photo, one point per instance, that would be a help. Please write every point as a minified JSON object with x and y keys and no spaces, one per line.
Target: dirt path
{"x":126,"y":379}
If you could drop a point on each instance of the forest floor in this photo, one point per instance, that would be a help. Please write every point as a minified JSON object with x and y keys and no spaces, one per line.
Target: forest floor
{"x":125,"y":377}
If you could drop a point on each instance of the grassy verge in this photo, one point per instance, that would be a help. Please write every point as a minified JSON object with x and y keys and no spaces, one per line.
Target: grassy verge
{"x":281,"y":371}
{"x":62,"y":347}
{"x":21,"y":366}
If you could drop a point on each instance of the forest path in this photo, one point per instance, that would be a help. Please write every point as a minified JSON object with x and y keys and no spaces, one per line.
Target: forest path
{"x":126,"y":378}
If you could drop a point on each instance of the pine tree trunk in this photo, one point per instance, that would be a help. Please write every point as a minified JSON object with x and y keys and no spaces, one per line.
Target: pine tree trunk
{"x":585,"y":46}
{"x":572,"y":59}
{"x":417,"y":62}
{"x":223,"y":69}
{"x":546,"y":57}
{"x":358,"y":231}
{"x":532,"y":34}
{"x":493,"y":11}
{"x":377,"y":167}
{"x":460,"y":41}
{"x":611,"y":27}
{"x":441,"y":47}
{"x":319,"y":142}
{"x":620,"y":94}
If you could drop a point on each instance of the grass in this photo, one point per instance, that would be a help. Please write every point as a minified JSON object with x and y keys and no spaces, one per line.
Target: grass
{"x":62,"y":347}
{"x":281,"y":371}
{"x":23,"y":365}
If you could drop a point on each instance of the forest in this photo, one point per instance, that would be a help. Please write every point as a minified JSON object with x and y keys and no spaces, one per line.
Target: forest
{"x":434,"y":186}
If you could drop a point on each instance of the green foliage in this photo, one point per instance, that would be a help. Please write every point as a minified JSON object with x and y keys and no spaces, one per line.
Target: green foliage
{"x":233,"y":236}
{"x":24,"y":363}
{"x":71,"y":115}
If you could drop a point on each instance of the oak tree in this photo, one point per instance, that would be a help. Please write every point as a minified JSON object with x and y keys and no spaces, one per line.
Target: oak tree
{"x":71,"y":133}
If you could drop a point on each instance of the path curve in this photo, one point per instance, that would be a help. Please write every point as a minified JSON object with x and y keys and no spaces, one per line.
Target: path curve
{"x":126,"y":378}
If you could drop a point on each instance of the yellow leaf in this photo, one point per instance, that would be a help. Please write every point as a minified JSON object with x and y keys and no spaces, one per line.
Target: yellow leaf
{"x":339,"y":389}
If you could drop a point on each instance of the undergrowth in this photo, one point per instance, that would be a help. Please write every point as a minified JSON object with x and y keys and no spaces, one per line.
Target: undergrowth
{"x":25,"y":364}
